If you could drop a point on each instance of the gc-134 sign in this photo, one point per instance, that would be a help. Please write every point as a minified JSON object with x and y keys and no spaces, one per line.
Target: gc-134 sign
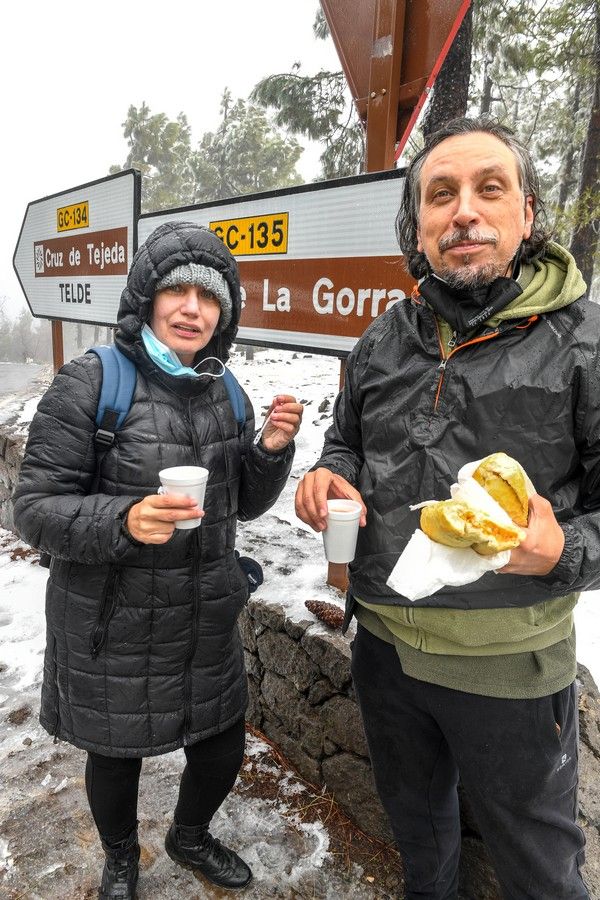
{"x":75,"y":249}
{"x":317,"y":263}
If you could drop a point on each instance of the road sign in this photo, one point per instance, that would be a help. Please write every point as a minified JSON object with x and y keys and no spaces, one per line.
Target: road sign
{"x":75,"y":249}
{"x":317,"y":263}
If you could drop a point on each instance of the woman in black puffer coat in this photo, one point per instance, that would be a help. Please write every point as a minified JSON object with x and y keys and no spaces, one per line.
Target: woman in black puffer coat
{"x":143,"y":653}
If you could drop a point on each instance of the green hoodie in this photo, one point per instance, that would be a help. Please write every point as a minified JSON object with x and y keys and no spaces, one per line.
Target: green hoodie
{"x":514,"y":652}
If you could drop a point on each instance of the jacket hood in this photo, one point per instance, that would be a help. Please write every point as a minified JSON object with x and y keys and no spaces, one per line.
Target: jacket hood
{"x":547,"y":284}
{"x":170,"y":245}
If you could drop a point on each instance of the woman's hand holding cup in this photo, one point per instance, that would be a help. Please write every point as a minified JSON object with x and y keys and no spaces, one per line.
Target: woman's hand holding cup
{"x":153,"y":519}
{"x":178,"y":504}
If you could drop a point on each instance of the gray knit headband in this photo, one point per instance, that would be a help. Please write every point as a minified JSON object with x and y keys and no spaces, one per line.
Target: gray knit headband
{"x":205,"y":277}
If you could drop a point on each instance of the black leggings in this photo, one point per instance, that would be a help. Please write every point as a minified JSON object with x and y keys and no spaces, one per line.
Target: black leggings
{"x":212,"y":766}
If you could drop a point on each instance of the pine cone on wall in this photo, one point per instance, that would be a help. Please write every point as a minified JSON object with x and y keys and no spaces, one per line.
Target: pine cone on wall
{"x":326,"y":612}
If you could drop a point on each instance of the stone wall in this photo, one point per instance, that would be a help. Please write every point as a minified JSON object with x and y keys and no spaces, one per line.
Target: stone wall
{"x":12,"y":445}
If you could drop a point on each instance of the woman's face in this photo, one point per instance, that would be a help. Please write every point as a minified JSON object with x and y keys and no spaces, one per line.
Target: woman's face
{"x":184,"y":317}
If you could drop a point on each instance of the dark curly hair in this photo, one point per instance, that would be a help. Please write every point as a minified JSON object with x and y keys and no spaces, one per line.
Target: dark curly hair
{"x":407,"y":220}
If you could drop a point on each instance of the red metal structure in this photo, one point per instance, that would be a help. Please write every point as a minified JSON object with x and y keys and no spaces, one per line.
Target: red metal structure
{"x":391,"y":52}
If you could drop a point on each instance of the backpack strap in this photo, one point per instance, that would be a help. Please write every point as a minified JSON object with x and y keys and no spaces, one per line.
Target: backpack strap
{"x":236,"y":397}
{"x":118,"y":384}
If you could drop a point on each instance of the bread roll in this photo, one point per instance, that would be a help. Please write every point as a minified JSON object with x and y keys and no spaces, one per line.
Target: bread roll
{"x":504,"y":480}
{"x":456,"y":524}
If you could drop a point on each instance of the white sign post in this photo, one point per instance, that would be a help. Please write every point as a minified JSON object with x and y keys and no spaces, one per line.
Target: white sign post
{"x":75,"y":249}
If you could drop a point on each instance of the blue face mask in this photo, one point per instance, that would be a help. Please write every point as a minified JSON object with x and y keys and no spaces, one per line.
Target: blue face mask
{"x":167,"y":359}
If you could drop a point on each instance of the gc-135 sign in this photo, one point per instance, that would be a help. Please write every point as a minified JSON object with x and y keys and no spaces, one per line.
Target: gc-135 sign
{"x":75,"y":249}
{"x":317,"y":263}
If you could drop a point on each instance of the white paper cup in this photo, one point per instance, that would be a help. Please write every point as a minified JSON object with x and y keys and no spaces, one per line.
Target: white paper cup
{"x":189,"y":481}
{"x":339,"y":537}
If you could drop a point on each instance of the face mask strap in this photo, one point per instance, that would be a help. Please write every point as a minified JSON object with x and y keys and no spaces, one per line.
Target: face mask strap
{"x":210,"y":374}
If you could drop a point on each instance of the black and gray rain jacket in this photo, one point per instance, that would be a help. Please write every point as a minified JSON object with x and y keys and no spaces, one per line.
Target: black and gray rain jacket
{"x":143,"y":653}
{"x":408,"y":418}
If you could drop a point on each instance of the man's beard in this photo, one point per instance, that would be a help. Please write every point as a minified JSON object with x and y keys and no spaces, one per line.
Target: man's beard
{"x":471,"y":275}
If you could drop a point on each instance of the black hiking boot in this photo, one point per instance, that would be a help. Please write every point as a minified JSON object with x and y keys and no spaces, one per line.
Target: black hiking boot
{"x":120,"y":875}
{"x":196,"y":848}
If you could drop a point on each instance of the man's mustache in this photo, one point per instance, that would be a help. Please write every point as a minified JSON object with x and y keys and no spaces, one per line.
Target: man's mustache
{"x":466,"y":235}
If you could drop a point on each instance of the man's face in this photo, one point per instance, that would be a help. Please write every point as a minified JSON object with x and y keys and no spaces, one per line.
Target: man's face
{"x":473,"y":215}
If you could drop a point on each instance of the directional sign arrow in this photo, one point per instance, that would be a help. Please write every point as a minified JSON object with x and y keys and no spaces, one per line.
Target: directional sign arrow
{"x":75,"y":248}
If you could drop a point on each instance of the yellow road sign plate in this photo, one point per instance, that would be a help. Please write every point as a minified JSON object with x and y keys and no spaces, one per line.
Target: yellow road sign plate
{"x":68,"y":218}
{"x":254,"y":235}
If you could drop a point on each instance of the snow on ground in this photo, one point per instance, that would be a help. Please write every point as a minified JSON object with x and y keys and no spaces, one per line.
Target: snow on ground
{"x":291,"y":857}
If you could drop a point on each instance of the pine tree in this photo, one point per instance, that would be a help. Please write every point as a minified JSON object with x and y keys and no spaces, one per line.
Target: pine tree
{"x":245,"y":154}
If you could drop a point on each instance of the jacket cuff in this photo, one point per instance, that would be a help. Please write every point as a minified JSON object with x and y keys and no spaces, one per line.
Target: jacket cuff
{"x":344,"y":472}
{"x":568,"y":566}
{"x":285,"y":452}
{"x":124,"y":529}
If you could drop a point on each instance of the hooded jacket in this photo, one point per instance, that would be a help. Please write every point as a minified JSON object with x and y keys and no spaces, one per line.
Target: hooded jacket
{"x":143,"y":653}
{"x":412,"y":413}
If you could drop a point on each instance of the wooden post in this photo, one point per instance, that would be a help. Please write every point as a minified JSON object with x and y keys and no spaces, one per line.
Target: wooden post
{"x":384,"y":84}
{"x":58,"y":353}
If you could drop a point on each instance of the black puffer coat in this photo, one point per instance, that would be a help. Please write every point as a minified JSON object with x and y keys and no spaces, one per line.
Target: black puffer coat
{"x":406,"y":422}
{"x":143,"y":652}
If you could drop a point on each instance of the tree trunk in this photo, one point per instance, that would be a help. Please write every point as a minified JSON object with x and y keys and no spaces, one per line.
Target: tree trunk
{"x":586,"y":239}
{"x":486,"y":94}
{"x":451,"y":89}
{"x":567,"y":179}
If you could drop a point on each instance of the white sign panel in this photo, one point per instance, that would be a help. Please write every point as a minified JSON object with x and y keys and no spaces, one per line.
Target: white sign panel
{"x":75,"y":249}
{"x":317,"y":263}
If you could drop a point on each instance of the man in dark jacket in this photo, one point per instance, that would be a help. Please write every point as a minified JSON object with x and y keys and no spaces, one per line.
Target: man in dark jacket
{"x":143,"y":653}
{"x":496,"y":350}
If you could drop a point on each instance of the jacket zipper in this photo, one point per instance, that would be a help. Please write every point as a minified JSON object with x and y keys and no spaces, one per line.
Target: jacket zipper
{"x":56,"y":738}
{"x":454,"y":349}
{"x":187,"y":695}
{"x":107,"y":609}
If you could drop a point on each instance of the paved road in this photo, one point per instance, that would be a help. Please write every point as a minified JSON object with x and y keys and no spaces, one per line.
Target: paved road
{"x":14,"y":377}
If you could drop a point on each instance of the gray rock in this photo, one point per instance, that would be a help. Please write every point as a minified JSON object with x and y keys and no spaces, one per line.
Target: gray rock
{"x":282,"y":655}
{"x":319,"y":691}
{"x":254,"y":711}
{"x":342,"y":725}
{"x":477,"y":880}
{"x":589,"y":711}
{"x":253,"y":666}
{"x":296,"y":629}
{"x":350,"y":780}
{"x":308,"y":767}
{"x":246,"y":626}
{"x":279,"y":697}
{"x":269,"y":615}
{"x":332,"y":654}
{"x":311,"y":734}
{"x":589,"y":788}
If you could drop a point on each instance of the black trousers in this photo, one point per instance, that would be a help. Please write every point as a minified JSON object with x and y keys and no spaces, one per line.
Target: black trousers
{"x":211,"y":769}
{"x":517,"y":762}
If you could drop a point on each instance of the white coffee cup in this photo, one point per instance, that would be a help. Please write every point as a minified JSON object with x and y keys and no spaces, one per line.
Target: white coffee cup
{"x":189,"y":481}
{"x":339,"y":538}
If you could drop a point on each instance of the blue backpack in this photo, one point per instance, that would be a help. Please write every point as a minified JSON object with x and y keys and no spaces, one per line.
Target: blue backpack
{"x":118,"y":384}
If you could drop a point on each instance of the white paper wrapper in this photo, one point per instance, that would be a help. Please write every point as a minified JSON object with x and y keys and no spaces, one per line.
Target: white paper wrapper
{"x":425,"y":566}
